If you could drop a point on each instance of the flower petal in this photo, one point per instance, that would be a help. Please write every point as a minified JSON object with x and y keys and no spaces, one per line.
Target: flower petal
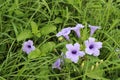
{"x":79,"y":26}
{"x":81,"y":53}
{"x":88,"y":51}
{"x":69,"y":55}
{"x":91,"y":39}
{"x":57,"y":64}
{"x":86,"y":43}
{"x":93,"y":29}
{"x":58,"y":34}
{"x":98,"y":45}
{"x":96,"y":53}
{"x":69,"y":47}
{"x":77,"y":46}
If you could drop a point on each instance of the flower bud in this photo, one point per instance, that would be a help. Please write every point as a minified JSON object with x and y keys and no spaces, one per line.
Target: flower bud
{"x":97,"y":64}
{"x":82,"y":65}
{"x":92,"y":67}
{"x":60,"y":38}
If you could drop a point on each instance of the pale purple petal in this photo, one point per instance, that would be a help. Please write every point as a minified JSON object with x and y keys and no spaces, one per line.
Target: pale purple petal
{"x":30,"y":42}
{"x":98,"y":45}
{"x":69,"y":47}
{"x":77,"y":32}
{"x":66,"y":37}
{"x":77,"y":46}
{"x":96,"y":53}
{"x":64,"y":32}
{"x":69,"y":55}
{"x":91,"y":39}
{"x":72,"y":57}
{"x":75,"y":59}
{"x":57,"y":64}
{"x":86,"y":43}
{"x":77,"y":29}
{"x":81,"y":53}
{"x":88,"y":51}
{"x":58,"y":34}
{"x":79,"y":25}
{"x":93,"y":29}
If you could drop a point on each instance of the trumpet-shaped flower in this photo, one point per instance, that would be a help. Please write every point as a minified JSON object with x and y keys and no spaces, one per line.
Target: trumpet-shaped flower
{"x":64,"y":32}
{"x":57,"y":64}
{"x":77,"y":29}
{"x":28,"y":46}
{"x":93,"y":29}
{"x":74,"y":52}
{"x":92,"y":47}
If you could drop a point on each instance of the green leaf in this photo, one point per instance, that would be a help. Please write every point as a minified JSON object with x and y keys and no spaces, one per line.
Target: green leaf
{"x":96,"y":75}
{"x":47,"y":47}
{"x":35,"y":30}
{"x":19,"y":13}
{"x":58,"y":20}
{"x":38,"y":34}
{"x":34,"y":27}
{"x":1,"y":78}
{"x":15,"y":28}
{"x":44,"y":71}
{"x":47,"y":29}
{"x":24,"y":35}
{"x":34,"y":54}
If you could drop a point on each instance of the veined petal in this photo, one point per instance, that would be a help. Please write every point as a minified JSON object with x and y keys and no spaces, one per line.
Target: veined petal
{"x":77,"y":46}
{"x":88,"y":51}
{"x":96,"y":53}
{"x":69,"y":47}
{"x":57,"y":64}
{"x":91,"y":39}
{"x":81,"y":53}
{"x":98,"y":45}
{"x":93,"y":29}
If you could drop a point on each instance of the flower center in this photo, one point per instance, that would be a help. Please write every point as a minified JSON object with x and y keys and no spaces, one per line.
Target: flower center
{"x":91,"y":46}
{"x":29,"y":46}
{"x":74,"y":52}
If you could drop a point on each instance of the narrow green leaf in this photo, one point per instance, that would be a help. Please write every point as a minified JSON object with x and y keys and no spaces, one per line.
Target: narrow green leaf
{"x":24,"y":35}
{"x":47,"y":29}
{"x":1,"y":78}
{"x":15,"y":28}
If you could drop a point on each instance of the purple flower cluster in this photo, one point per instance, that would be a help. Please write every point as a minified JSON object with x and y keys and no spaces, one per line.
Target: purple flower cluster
{"x":66,"y":31}
{"x":73,"y":51}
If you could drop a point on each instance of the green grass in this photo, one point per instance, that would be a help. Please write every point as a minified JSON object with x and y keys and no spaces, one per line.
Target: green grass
{"x":15,"y":21}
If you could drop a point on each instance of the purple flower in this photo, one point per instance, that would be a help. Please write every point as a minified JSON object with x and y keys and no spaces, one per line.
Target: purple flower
{"x":92,"y":47}
{"x":28,"y":46}
{"x":77,"y":29}
{"x":74,"y":52}
{"x":57,"y":64}
{"x":64,"y":32}
{"x":93,"y":29}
